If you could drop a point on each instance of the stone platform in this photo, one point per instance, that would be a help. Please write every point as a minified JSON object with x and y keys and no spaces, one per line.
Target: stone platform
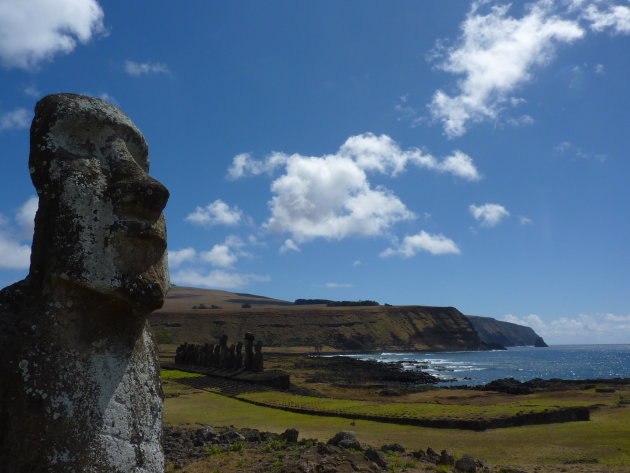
{"x":275,"y":378}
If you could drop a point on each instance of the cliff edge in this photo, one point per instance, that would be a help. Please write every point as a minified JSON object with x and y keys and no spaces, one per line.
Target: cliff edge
{"x":508,"y":334}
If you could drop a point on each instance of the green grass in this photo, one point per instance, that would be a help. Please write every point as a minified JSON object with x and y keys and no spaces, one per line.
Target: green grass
{"x":419,"y":411}
{"x":605,"y":438}
{"x":176,"y":374}
{"x":274,"y":445}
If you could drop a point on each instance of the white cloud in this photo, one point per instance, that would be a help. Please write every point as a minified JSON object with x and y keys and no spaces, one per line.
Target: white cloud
{"x":423,"y":241}
{"x":406,"y":111}
{"x":582,"y":329}
{"x":219,"y":255}
{"x":13,"y":254}
{"x":522,"y":220}
{"x":569,"y":149}
{"x":178,"y":257}
{"x":142,"y":68}
{"x":489,"y":215}
{"x":289,"y":245}
{"x":335,"y":285}
{"x":330,"y":196}
{"x":17,"y":119}
{"x":32,"y":31}
{"x":243,"y":165}
{"x":459,"y":164}
{"x":494,"y":55}
{"x":357,"y":263}
{"x":616,"y":17}
{"x":32,"y":91}
{"x":522,"y":120}
{"x":15,"y":243}
{"x":369,"y":152}
{"x":25,"y":217}
{"x":600,"y":69}
{"x":215,"y":213}
{"x":217,"y":278}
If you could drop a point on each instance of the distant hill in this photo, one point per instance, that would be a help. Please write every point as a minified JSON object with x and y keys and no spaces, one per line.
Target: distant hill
{"x":184,"y":298}
{"x":285,"y":325}
{"x":203,"y":315}
{"x":505,"y":333}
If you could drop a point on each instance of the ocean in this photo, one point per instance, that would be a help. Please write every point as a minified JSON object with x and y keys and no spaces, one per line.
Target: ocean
{"x":521,"y":363}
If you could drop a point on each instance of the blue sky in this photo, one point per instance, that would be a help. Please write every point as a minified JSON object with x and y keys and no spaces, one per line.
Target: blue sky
{"x":471,"y":154}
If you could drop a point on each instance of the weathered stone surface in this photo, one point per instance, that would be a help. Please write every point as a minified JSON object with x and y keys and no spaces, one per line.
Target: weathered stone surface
{"x":466,"y":464}
{"x":79,"y":375}
{"x":290,"y":435}
{"x":345,"y":439}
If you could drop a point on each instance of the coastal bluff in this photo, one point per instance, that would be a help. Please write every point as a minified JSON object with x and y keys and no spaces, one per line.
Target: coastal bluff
{"x":309,"y":328}
{"x":505,"y":333}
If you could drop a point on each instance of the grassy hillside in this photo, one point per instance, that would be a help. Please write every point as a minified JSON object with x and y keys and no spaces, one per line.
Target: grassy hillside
{"x":282,"y":325}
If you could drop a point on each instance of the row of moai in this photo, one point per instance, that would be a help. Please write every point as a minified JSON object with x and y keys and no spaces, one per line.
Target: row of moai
{"x":221,"y":356}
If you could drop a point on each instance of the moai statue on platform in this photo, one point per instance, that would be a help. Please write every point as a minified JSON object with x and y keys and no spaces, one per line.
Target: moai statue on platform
{"x":257,"y":365}
{"x":223,"y":352}
{"x":179,"y":354}
{"x":79,"y":373}
{"x":249,"y":351}
{"x":238,"y":362}
{"x":216,"y":356}
{"x":231,"y":357}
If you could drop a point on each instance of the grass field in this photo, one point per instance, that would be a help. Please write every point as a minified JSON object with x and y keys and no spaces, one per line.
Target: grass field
{"x":420,"y":411}
{"x":605,"y":439}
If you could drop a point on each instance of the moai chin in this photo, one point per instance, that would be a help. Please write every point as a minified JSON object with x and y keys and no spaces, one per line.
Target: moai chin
{"x":79,"y":373}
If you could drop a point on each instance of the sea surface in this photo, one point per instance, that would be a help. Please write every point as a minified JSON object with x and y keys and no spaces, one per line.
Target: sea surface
{"x":521,"y":363}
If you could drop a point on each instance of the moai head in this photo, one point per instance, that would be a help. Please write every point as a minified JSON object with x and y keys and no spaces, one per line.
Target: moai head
{"x":99,"y":226}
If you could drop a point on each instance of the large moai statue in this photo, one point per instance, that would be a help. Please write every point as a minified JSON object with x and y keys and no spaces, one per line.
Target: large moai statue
{"x":248,"y":360}
{"x":79,"y":373}
{"x":238,"y":360}
{"x":223,"y":352}
{"x":257,"y":363}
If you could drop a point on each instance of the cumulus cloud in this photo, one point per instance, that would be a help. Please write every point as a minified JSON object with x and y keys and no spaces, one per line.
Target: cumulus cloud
{"x":17,"y":119}
{"x":289,"y":245}
{"x":178,"y":257}
{"x":220,"y":255}
{"x":369,"y":152}
{"x":15,"y":239}
{"x":423,"y":241}
{"x":25,"y":217}
{"x":615,"y":18}
{"x":522,"y":220}
{"x":217,"y":278}
{"x":136,"y":69}
{"x":32,"y":31}
{"x":489,"y":215}
{"x":244,"y":165}
{"x":330,"y":196}
{"x":584,"y":328}
{"x":495,"y":54}
{"x":215,"y":213}
{"x":13,"y":254}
